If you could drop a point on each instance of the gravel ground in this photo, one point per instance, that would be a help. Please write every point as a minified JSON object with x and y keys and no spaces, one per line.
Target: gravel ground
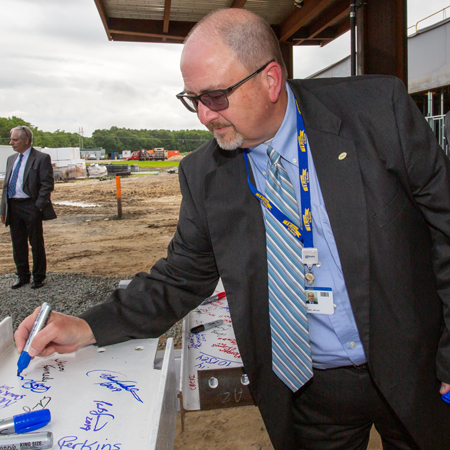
{"x":67,"y":293}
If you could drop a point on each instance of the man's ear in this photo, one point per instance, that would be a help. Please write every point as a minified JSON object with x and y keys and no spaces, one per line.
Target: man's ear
{"x":274,"y":77}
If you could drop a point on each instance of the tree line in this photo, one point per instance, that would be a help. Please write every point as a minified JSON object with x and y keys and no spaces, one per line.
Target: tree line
{"x":113,"y":140}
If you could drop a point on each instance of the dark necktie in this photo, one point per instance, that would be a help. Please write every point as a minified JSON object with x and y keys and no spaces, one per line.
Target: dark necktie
{"x":13,"y":180}
{"x":291,"y":351}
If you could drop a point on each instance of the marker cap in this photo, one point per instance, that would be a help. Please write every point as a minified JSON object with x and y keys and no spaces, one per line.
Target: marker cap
{"x":23,"y":423}
{"x":446,"y":397}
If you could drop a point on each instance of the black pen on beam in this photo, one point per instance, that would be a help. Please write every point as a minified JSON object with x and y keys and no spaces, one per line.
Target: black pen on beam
{"x":206,"y":326}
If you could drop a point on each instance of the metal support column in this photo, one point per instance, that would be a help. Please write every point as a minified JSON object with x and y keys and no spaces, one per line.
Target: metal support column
{"x":352,"y":38}
{"x":430,"y":103}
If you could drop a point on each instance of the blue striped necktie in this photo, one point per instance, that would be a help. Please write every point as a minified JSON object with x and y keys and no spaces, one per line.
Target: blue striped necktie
{"x":13,"y":181}
{"x":291,"y":351}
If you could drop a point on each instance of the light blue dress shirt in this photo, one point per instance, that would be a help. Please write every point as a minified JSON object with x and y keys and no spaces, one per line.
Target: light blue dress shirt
{"x":19,"y":185}
{"x":334,"y":338}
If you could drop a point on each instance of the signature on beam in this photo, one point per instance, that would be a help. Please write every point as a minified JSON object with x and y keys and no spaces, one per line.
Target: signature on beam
{"x":99,"y":417}
{"x":114,"y":384}
{"x":41,"y":405}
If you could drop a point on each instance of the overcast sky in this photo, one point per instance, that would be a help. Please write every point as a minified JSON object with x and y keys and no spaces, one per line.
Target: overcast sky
{"x":59,"y":71}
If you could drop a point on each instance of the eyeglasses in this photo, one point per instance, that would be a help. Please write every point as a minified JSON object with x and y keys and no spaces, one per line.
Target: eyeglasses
{"x":216,"y":100}
{"x":22,"y":128}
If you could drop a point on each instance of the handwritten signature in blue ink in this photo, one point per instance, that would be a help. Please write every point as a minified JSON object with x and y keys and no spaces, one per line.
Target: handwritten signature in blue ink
{"x":34,"y":386}
{"x":113,"y":384}
{"x":71,"y":442}
{"x":196,"y":340}
{"x":206,"y":360}
{"x":100,"y":417}
{"x":7,"y":397}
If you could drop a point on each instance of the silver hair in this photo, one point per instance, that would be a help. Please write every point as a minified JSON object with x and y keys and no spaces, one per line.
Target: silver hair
{"x":247,"y":35}
{"x":24,"y":132}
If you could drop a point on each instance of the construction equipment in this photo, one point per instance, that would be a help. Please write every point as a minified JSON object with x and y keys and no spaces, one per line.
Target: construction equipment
{"x":139,"y":155}
{"x":156,"y":154}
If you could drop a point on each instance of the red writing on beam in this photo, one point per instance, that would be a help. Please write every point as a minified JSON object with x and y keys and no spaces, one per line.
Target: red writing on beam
{"x":192,"y":383}
{"x":228,"y":349}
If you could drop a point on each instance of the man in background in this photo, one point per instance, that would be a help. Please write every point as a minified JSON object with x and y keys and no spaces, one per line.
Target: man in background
{"x":26,"y":203}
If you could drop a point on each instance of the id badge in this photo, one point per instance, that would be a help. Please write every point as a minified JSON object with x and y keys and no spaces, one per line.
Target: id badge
{"x":319,"y":301}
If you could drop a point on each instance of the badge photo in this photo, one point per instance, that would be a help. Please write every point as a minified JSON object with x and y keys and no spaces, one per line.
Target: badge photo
{"x":319,"y":301}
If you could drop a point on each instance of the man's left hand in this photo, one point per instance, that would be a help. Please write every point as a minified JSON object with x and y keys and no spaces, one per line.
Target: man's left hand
{"x":444,"y":388}
{"x":3,"y":218}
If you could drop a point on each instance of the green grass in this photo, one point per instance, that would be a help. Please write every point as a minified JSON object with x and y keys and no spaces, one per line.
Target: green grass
{"x":143,"y":163}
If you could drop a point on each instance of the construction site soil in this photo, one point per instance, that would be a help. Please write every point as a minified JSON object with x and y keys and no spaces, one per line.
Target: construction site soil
{"x":88,"y":238}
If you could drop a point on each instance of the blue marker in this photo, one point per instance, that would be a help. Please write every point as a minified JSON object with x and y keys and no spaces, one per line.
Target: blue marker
{"x":446,"y":397}
{"x":40,"y":322}
{"x":23,"y":423}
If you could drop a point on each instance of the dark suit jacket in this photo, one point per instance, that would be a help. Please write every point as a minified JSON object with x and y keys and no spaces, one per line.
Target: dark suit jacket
{"x":388,"y":202}
{"x":38,"y":183}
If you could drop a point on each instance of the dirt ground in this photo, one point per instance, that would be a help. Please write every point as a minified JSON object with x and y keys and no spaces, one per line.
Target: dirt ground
{"x":91,"y":240}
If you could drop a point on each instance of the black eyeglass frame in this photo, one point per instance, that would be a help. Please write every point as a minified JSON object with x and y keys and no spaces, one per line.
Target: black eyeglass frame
{"x":225,"y":92}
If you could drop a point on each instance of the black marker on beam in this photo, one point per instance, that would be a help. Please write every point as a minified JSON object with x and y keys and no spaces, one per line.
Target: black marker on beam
{"x":206,"y":326}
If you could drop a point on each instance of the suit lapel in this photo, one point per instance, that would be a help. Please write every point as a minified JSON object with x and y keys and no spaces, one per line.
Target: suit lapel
{"x":30,"y":160}
{"x":338,"y":171}
{"x":237,"y":233}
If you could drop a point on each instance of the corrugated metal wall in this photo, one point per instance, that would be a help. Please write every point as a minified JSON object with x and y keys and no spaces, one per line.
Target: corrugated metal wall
{"x":428,"y":60}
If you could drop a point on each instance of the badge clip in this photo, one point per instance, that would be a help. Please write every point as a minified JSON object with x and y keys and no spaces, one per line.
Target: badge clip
{"x":310,"y":256}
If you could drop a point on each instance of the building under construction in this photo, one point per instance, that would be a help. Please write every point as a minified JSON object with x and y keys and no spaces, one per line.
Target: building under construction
{"x":428,"y":73}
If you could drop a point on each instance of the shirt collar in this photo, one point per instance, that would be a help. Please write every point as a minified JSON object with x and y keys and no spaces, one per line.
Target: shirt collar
{"x":284,"y":141}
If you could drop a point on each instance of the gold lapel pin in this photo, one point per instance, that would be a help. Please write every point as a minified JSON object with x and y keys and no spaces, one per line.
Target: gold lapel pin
{"x":342,"y":156}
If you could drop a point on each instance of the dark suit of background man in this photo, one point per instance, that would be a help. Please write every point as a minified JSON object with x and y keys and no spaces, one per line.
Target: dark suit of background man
{"x":380,"y":197}
{"x":25,"y":203}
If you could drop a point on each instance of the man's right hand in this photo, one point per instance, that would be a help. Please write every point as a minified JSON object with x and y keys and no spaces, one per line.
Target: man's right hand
{"x":62,"y":334}
{"x":3,"y":218}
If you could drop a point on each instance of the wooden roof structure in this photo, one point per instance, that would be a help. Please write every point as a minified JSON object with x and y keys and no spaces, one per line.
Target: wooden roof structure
{"x":381,"y":25}
{"x":315,"y":22}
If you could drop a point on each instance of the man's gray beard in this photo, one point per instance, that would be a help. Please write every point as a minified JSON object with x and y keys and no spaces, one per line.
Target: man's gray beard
{"x":235,"y":143}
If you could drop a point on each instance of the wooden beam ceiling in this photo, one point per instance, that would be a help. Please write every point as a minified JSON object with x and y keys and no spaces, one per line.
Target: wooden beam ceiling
{"x":381,"y":25}
{"x":329,"y":25}
{"x":316,"y":23}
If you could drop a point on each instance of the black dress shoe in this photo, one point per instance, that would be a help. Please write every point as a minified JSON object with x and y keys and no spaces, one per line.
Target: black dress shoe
{"x":19,"y":283}
{"x":37,"y":284}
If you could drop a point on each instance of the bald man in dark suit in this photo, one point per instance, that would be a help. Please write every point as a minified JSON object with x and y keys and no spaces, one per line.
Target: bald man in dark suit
{"x":380,"y":207}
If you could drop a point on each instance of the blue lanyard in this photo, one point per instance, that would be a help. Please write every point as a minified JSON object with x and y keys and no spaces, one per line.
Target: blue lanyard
{"x":305,"y":193}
